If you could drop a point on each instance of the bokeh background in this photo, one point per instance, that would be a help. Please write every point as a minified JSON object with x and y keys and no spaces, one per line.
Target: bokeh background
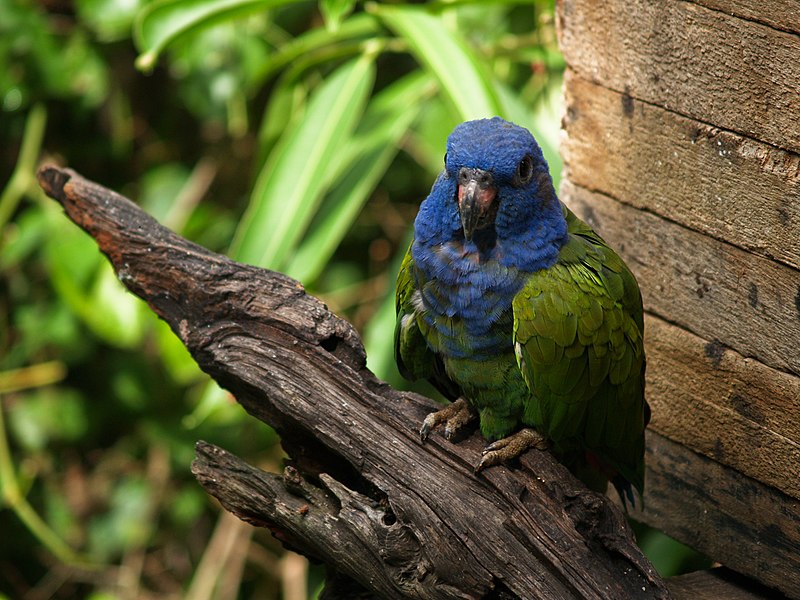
{"x":299,"y":136}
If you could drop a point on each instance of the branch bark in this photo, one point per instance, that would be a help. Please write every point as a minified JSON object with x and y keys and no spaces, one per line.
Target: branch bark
{"x":398,"y":518}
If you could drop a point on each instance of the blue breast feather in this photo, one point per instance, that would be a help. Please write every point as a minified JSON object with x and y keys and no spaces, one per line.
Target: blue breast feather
{"x":466,"y":287}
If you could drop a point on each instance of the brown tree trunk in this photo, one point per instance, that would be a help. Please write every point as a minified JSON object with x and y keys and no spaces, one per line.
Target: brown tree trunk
{"x":391,"y":517}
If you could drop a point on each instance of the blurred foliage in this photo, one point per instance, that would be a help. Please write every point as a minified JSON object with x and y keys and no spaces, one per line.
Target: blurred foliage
{"x":300,"y":136}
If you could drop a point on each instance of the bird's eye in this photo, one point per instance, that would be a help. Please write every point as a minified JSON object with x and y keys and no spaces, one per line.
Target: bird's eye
{"x":445,"y":158}
{"x":524,"y":170}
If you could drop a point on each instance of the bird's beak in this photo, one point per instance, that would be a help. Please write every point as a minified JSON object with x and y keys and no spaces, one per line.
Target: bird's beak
{"x":476,"y":194}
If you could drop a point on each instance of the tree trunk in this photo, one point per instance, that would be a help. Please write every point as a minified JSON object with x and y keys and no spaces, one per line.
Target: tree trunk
{"x":390,"y":516}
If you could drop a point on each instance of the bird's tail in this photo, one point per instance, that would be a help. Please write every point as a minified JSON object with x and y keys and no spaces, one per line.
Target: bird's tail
{"x":626,"y":492}
{"x":599,"y":468}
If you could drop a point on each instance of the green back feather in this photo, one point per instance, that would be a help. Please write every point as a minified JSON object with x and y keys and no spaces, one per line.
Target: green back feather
{"x":579,"y":328}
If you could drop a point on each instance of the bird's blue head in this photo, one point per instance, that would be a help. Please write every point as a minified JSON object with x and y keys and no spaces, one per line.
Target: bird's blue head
{"x":495,"y":198}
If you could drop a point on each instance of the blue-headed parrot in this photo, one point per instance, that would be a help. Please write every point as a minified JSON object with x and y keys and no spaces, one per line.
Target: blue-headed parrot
{"x":521,"y":315}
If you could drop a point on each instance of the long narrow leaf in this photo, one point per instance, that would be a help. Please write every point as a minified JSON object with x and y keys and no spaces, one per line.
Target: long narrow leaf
{"x":23,"y":176}
{"x":377,"y":141}
{"x":162,"y":22}
{"x":286,"y":103}
{"x":356,"y":27}
{"x":445,"y":53}
{"x":292,"y":180}
{"x":334,"y":12}
{"x":84,"y":281}
{"x":377,"y":336}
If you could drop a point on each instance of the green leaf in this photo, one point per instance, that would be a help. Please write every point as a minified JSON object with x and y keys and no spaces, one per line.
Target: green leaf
{"x":52,"y":414}
{"x":427,"y":143}
{"x":128,"y":522}
{"x":162,"y":22}
{"x":20,"y":242}
{"x":75,"y":266}
{"x":160,"y":186}
{"x":286,"y":103}
{"x":319,"y":41}
{"x":378,"y":338}
{"x":292,"y":181}
{"x":447,"y":55}
{"x":214,"y":405}
{"x":378,"y":341}
{"x":111,"y":19}
{"x":377,"y":141}
{"x":23,"y":177}
{"x":112,"y":312}
{"x":334,"y":12}
{"x":175,"y":356}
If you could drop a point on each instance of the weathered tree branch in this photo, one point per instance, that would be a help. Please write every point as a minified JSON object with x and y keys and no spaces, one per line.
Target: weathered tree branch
{"x":402,"y":519}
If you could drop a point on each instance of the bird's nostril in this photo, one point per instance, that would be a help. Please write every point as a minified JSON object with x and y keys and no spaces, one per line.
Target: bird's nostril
{"x":481,"y":177}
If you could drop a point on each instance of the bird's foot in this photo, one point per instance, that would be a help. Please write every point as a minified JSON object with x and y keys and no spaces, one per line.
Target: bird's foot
{"x":511,"y":447}
{"x":454,"y":415}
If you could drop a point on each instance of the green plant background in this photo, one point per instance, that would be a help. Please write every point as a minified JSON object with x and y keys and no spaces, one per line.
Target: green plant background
{"x":298,"y":136}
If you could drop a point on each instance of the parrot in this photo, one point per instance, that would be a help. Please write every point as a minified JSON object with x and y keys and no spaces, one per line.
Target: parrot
{"x":522,"y":316}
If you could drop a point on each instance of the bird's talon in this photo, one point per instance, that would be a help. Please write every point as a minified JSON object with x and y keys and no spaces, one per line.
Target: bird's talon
{"x":479,"y":467}
{"x":494,"y":446}
{"x":427,"y":425}
{"x":455,"y":416}
{"x":511,"y":447}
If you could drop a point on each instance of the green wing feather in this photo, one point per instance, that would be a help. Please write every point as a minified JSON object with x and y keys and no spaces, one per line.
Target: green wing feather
{"x":578,"y":330}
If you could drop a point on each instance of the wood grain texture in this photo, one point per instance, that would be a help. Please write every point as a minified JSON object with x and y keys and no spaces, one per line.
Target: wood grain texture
{"x":717,"y":584}
{"x":420,"y":523}
{"x":740,"y":522}
{"x":713,"y":181}
{"x":702,"y":63}
{"x":724,"y":406}
{"x":718,"y":291}
{"x":779,"y":14}
{"x":326,"y":518}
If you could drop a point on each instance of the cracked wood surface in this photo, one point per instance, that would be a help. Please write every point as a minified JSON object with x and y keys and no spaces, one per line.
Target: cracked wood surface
{"x":702,"y":63}
{"x":401,"y":519}
{"x":713,"y":181}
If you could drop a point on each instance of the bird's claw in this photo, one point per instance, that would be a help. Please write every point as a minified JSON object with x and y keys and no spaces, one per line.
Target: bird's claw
{"x":428,"y":424}
{"x":511,"y":447}
{"x":450,"y":430}
{"x":454,"y":415}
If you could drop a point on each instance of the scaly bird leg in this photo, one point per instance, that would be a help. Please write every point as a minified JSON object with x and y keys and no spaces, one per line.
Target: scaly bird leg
{"x":455,"y":415}
{"x":512,"y":446}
